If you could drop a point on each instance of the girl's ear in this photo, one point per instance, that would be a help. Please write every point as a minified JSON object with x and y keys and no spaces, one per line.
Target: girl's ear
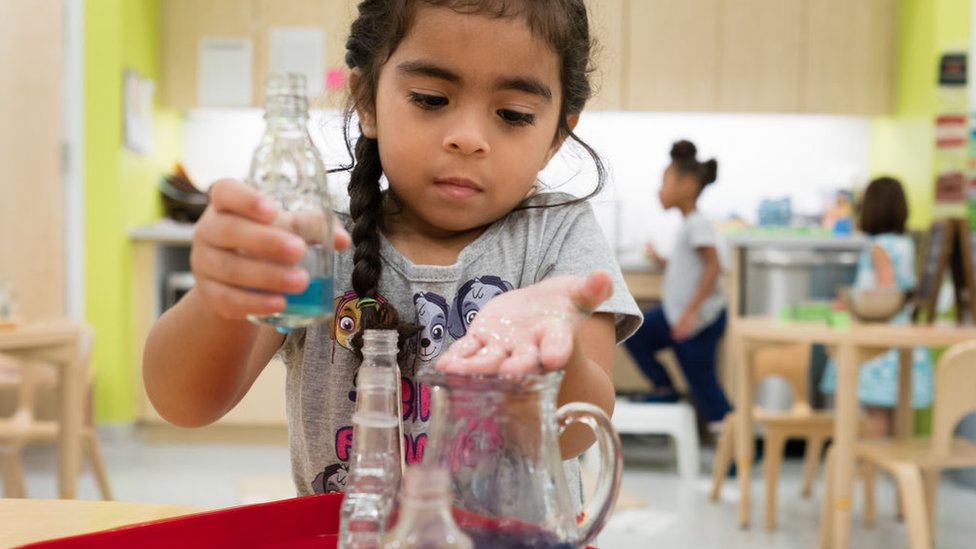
{"x":560,"y":138}
{"x":366,"y":113}
{"x":367,"y":122}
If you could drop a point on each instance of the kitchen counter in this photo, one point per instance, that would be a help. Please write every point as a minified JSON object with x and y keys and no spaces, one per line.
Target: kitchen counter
{"x":164,"y":232}
{"x":796,"y":241}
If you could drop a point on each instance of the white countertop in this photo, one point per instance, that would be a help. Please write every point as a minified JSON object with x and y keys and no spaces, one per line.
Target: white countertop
{"x":797,"y":241}
{"x":163,"y":232}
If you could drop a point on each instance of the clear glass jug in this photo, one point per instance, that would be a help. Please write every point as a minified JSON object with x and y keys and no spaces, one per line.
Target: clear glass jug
{"x":499,"y":439}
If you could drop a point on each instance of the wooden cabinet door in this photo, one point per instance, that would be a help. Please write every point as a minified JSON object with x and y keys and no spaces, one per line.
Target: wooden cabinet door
{"x":849,"y":56}
{"x":607,"y":28}
{"x":760,"y":55}
{"x":32,"y":221}
{"x":184,"y":23}
{"x":672,"y":55}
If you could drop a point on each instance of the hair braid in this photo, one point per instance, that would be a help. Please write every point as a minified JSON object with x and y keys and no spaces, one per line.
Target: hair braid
{"x":366,"y":209}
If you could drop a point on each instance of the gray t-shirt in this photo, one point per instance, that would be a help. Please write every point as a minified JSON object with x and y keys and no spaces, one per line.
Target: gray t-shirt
{"x":523,"y":248}
{"x":684,"y":271}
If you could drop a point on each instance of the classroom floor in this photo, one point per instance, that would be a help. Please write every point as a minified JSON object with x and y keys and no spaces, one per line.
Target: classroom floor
{"x":657,"y":509}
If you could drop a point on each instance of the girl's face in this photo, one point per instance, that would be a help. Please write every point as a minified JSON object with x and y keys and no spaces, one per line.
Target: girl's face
{"x":676,"y":188}
{"x":466,"y":116}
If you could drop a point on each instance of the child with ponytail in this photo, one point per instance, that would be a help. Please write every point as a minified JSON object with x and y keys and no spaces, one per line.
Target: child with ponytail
{"x":460,"y":104}
{"x":691,"y":319}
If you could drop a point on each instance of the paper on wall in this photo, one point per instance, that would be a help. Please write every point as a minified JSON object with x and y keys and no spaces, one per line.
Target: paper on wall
{"x":224,"y":72}
{"x":300,"y":50}
{"x":138,"y":111}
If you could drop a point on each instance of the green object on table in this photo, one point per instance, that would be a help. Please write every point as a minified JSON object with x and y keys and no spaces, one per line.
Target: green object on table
{"x":812,"y":311}
{"x":839,"y":319}
{"x":786,"y":314}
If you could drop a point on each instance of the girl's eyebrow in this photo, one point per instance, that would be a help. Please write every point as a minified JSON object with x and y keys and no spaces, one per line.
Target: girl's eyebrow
{"x":426,"y":68}
{"x":525,"y":84}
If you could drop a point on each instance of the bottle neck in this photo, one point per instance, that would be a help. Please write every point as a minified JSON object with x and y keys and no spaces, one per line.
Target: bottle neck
{"x":286,"y":110}
{"x":384,"y":358}
{"x":375,"y":446}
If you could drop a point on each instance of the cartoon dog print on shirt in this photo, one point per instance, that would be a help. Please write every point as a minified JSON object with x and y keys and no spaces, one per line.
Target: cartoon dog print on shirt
{"x":345,"y":323}
{"x":332,"y":479}
{"x":470,"y":299}
{"x":432,"y":316}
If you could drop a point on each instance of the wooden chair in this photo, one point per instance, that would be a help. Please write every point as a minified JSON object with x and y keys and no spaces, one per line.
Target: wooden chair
{"x":22,"y":427}
{"x":916,"y":463}
{"x":792,"y":363}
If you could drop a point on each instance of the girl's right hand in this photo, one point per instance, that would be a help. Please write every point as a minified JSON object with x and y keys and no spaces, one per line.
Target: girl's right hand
{"x":242,"y":262}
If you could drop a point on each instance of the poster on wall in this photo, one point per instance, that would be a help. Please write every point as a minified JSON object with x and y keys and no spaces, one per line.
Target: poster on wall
{"x":138,"y":110}
{"x":952,"y":137}
{"x":224,"y":72}
{"x":299,"y":50}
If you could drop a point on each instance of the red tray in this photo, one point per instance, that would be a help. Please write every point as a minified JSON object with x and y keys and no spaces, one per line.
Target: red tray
{"x":299,"y":523}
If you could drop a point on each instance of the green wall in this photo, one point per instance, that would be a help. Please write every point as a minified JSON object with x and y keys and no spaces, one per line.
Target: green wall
{"x":120,"y":186}
{"x":903,"y":144}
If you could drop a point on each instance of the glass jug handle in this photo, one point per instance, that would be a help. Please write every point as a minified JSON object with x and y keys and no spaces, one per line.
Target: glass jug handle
{"x":597,"y":511}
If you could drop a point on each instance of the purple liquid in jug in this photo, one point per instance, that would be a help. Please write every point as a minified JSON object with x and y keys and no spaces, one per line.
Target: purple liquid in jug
{"x":491,"y":538}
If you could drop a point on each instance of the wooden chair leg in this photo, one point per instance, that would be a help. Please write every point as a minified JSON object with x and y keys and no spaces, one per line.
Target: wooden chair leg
{"x":13,"y":474}
{"x":723,"y":456}
{"x":774,"y":443}
{"x":826,"y":508}
{"x":869,"y":471}
{"x":98,"y":464}
{"x":899,"y":504}
{"x":913,"y":497}
{"x":930,"y":480}
{"x":811,"y":460}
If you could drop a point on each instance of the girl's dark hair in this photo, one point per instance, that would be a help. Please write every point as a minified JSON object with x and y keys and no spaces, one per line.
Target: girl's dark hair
{"x":684,"y":157}
{"x":374,"y":36}
{"x":884,"y":208}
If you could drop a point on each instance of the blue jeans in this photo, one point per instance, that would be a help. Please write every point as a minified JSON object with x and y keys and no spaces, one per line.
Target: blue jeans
{"x":696,"y":356}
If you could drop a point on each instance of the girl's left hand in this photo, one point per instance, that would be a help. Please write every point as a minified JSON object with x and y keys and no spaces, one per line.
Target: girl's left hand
{"x":525,"y":330}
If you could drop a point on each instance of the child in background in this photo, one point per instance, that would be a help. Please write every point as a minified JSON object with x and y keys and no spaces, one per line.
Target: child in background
{"x":889,"y":262}
{"x":691,"y":319}
{"x":460,"y":105}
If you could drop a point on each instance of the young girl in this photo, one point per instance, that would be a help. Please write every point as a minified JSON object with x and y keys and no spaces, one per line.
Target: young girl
{"x":460,"y":105}
{"x":691,"y":319}
{"x":889,"y":262}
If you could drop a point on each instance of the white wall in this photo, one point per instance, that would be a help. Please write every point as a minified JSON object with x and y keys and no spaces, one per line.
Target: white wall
{"x":760,"y":156}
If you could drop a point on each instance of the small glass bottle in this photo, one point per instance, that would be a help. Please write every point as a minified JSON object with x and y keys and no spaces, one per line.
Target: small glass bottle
{"x":374,"y":476}
{"x":425,"y":520}
{"x":287,"y":169}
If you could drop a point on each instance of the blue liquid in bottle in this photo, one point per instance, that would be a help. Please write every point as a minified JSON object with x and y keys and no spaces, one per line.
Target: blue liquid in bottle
{"x":312,"y":305}
{"x":315,"y":301}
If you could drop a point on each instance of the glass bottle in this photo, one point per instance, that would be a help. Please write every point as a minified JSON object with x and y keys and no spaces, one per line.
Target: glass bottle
{"x":374,"y":476}
{"x":287,"y":169}
{"x":425,"y":520}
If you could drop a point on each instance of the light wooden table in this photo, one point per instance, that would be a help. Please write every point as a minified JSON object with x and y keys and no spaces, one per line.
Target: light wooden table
{"x":31,"y":520}
{"x":57,"y":342}
{"x":851,"y":346}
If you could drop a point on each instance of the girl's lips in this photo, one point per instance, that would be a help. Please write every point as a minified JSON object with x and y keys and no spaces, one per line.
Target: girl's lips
{"x":457,"y":187}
